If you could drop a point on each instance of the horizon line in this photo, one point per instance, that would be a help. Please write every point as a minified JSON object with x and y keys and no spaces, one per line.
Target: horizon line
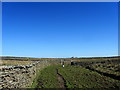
{"x":64,"y":57}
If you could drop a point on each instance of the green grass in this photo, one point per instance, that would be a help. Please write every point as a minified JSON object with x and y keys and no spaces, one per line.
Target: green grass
{"x":111,"y":68}
{"x":48,"y":77}
{"x":79,"y":77}
{"x":75,"y":77}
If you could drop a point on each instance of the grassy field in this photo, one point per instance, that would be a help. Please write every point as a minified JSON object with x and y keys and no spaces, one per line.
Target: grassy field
{"x":74,"y":77}
{"x":110,"y":68}
{"x":87,"y":73}
{"x":25,"y":60}
{"x":14,"y":62}
{"x":80,"y":77}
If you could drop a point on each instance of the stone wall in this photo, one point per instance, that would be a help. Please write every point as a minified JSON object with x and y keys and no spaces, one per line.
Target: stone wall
{"x":21,"y":76}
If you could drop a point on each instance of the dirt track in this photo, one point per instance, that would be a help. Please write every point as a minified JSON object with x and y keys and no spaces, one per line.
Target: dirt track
{"x":61,"y":80}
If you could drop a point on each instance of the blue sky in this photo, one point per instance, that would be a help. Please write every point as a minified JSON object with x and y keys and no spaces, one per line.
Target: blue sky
{"x":60,"y":29}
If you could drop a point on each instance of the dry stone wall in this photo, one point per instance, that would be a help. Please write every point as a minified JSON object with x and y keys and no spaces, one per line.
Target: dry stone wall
{"x":20,"y":76}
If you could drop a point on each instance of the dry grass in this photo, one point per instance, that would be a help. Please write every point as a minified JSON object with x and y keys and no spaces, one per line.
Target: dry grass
{"x":94,"y":59}
{"x":14,"y":62}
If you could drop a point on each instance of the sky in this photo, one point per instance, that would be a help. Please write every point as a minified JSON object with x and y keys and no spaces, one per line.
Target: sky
{"x":60,"y":29}
{"x":60,"y":0}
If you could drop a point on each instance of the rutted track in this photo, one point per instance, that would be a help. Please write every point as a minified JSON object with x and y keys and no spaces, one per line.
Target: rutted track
{"x":62,"y":82}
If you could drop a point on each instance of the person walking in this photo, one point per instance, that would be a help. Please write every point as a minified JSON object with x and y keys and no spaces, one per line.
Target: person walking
{"x":63,"y":65}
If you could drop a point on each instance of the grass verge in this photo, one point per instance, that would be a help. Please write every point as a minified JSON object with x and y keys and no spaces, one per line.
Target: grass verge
{"x":79,"y":77}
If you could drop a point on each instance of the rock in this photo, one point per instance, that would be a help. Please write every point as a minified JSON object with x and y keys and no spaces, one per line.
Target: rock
{"x":19,"y":76}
